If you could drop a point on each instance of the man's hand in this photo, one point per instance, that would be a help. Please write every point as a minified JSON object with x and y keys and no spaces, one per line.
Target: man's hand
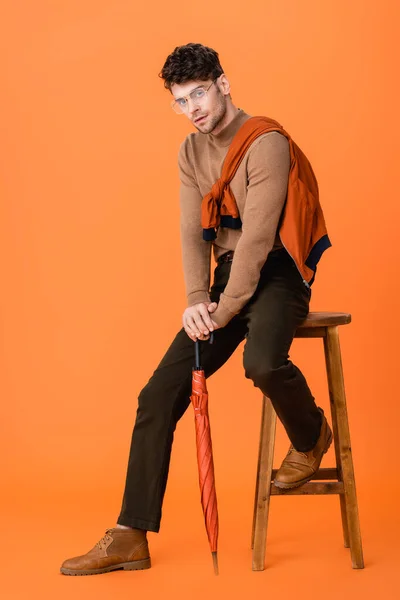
{"x":197,"y":321}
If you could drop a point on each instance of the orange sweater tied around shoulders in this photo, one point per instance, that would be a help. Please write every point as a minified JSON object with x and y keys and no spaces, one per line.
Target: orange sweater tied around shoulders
{"x":302,"y":230}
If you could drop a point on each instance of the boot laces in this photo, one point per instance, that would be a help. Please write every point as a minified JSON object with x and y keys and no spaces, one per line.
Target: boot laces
{"x":293,"y":449}
{"x":101,"y":543}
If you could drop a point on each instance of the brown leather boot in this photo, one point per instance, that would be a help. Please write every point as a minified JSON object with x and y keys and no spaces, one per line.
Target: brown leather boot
{"x":298,"y":467}
{"x":118,"y":549}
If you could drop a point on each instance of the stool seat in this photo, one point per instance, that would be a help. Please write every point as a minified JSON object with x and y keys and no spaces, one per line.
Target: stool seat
{"x":337,"y":479}
{"x":325,"y":319}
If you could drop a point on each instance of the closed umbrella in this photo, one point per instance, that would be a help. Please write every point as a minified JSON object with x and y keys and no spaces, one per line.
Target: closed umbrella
{"x":199,"y":399}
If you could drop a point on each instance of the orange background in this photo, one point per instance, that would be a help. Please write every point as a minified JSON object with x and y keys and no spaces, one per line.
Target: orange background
{"x":92,"y":287}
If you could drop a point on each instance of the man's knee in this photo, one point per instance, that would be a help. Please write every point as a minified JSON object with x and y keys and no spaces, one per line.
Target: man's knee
{"x":264,"y":372}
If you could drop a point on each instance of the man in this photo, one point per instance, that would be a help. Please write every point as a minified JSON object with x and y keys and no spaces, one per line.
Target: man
{"x":258,"y":295}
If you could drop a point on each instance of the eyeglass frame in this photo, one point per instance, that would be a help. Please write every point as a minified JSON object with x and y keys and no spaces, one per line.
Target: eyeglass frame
{"x":182,"y":112}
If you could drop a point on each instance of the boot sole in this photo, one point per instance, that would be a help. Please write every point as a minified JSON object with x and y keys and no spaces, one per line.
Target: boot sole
{"x":287,"y":486}
{"x":135,"y":565}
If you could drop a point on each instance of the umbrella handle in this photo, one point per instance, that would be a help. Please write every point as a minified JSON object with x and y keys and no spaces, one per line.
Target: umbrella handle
{"x":197,"y":350}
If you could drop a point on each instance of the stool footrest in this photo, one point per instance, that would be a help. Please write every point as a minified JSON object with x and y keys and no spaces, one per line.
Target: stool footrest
{"x":327,"y":473}
{"x":310,"y":488}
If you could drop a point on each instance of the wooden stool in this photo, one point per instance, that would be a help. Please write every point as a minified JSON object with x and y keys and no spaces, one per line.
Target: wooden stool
{"x":324,"y":325}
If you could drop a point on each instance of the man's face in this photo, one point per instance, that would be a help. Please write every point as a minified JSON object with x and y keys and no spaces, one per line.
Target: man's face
{"x":210,"y":109}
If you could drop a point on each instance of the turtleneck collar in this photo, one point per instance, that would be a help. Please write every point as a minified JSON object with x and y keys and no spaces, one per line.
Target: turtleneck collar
{"x":225,"y":136}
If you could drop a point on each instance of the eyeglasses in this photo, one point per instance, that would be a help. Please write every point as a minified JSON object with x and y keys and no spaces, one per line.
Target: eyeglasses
{"x":197,"y":96}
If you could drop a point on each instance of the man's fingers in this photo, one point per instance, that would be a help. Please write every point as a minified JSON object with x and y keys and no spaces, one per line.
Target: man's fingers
{"x":192,"y":325}
{"x":187,"y":328}
{"x":201,"y":326}
{"x":190,"y":334}
{"x":206,"y":318}
{"x":197,"y":322}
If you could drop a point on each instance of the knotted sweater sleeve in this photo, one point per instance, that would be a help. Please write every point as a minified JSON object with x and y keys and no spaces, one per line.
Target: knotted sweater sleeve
{"x":268,"y":171}
{"x":196,"y":253}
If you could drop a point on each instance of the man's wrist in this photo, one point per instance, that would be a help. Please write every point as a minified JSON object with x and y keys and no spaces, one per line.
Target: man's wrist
{"x":222,"y":315}
{"x":197,"y":297}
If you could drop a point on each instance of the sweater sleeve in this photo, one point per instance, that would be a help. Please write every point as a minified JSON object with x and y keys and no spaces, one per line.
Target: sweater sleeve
{"x":268,"y":171}
{"x":196,"y":252}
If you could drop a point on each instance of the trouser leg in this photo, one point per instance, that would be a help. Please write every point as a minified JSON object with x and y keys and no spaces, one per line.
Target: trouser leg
{"x":161,"y":403}
{"x":279,"y":306}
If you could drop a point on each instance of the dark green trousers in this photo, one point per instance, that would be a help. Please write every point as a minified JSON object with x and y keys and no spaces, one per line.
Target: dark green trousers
{"x":268,"y":323}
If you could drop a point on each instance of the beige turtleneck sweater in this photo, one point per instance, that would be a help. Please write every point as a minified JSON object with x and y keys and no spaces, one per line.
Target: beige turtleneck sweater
{"x":259,"y":187}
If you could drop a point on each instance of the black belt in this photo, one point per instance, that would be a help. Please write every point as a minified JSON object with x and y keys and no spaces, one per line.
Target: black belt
{"x":226,"y":257}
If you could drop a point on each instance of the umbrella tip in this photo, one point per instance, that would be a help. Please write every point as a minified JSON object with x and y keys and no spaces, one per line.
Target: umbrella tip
{"x":215,"y":562}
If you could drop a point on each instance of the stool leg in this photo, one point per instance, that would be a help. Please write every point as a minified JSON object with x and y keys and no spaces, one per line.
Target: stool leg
{"x":263,"y":483}
{"x":342,"y":499}
{"x":260,"y":446}
{"x":338,"y":400}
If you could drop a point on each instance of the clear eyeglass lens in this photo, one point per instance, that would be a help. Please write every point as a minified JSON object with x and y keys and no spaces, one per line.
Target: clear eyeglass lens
{"x":196,"y":97}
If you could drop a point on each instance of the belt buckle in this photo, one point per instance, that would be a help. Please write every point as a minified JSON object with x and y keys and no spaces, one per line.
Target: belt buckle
{"x":227,"y":256}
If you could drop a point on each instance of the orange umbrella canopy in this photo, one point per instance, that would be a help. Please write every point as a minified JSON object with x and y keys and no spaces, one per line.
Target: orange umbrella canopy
{"x":199,"y":399}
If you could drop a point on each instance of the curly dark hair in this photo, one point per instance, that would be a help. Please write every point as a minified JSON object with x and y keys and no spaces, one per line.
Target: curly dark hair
{"x":190,"y":62}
